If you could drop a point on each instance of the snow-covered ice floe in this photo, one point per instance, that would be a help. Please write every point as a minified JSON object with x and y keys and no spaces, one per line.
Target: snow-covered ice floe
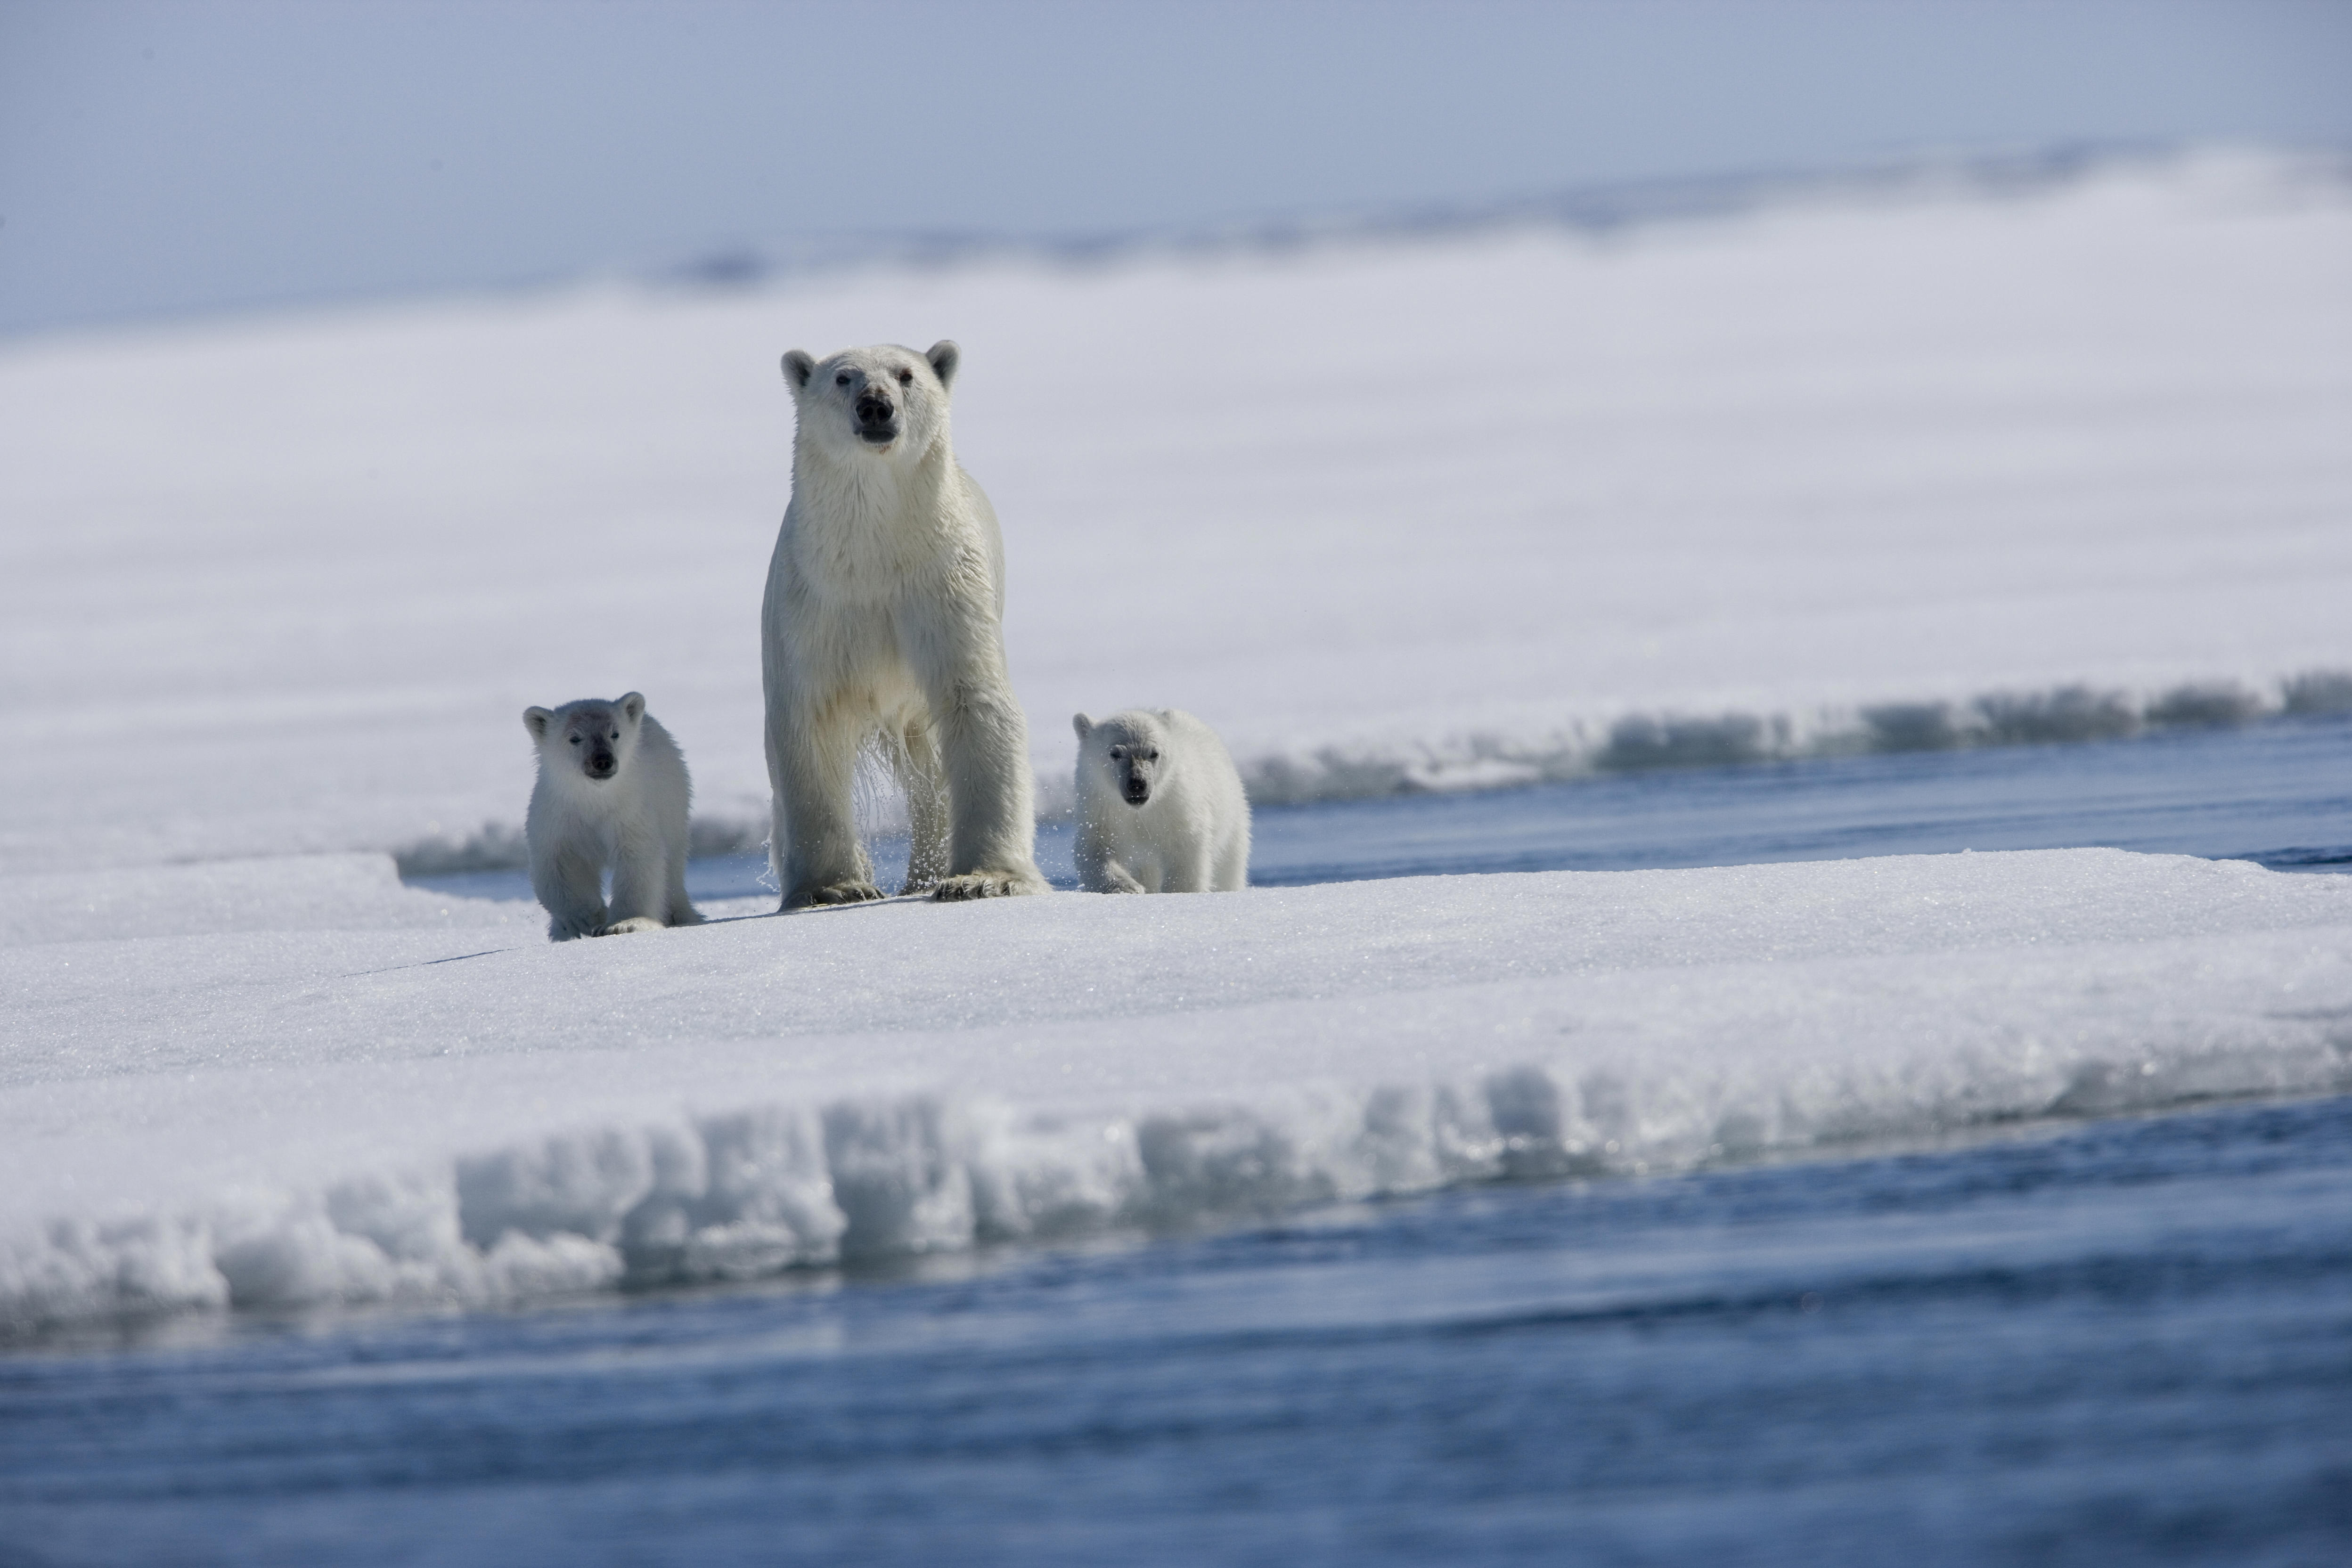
{"x":1925,"y":465}
{"x":298,"y":1081}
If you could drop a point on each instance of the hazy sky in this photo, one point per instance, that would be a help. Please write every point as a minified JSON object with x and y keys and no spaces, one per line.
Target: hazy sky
{"x":193,"y":156}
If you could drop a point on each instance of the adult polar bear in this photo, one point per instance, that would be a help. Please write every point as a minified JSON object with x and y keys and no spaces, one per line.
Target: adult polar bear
{"x":884,"y":616}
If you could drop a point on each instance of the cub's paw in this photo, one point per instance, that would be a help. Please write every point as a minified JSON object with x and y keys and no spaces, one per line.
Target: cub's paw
{"x":634,"y":923}
{"x":844,"y":893}
{"x":987,"y":885}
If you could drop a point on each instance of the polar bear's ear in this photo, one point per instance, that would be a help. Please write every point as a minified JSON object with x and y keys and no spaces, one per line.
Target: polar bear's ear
{"x":1082,"y":724}
{"x":944,"y":357}
{"x":798,"y":368}
{"x":634,"y":706}
{"x":536,"y":720}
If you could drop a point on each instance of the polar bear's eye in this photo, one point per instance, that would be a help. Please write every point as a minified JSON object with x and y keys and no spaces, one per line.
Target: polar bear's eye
{"x":906,"y":377}
{"x":575,"y":740}
{"x":842,"y":379}
{"x":1118,"y":753}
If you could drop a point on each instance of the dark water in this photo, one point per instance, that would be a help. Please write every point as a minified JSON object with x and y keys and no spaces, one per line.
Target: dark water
{"x":2124,"y":1341}
{"x":2279,"y":793}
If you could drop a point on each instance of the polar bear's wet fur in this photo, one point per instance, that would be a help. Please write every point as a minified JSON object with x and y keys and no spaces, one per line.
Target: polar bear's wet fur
{"x":882,"y":622}
{"x":1160,"y":807}
{"x":612,"y":793}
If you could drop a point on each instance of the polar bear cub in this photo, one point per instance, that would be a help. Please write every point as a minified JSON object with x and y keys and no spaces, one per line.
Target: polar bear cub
{"x":883,"y":625}
{"x":1160,"y":807}
{"x":612,"y":793}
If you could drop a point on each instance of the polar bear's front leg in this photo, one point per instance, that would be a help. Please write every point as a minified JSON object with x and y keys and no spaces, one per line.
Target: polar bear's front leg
{"x":641,"y":879}
{"x":570,"y":883}
{"x":916,"y":763}
{"x":811,"y":769}
{"x":1190,"y":872}
{"x":1099,"y":870}
{"x":992,"y":822}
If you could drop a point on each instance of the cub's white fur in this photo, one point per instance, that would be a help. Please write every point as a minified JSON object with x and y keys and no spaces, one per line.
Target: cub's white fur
{"x":1160,"y":807}
{"x":885,"y":598}
{"x":611,"y":792}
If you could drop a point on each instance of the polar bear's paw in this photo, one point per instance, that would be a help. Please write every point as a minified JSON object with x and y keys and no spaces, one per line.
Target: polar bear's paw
{"x":634,"y":923}
{"x":987,"y":885}
{"x":844,"y":893}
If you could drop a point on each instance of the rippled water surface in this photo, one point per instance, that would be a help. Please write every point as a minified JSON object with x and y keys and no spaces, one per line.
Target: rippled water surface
{"x":2128,"y":1341}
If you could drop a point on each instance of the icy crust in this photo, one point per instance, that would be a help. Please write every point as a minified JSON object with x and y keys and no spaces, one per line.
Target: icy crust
{"x":472,"y":1115}
{"x":765,"y":1189}
{"x":1642,"y":740}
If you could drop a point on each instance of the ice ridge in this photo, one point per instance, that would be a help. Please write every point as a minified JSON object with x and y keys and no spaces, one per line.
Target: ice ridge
{"x":764,"y":1189}
{"x":1645,"y":739}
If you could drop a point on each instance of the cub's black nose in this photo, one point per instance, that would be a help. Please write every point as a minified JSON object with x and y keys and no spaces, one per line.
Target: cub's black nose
{"x":1137,"y":791}
{"x":874,"y":409}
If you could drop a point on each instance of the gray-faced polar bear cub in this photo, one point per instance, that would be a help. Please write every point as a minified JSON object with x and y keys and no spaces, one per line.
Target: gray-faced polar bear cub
{"x":611,"y":792}
{"x":883,"y":620}
{"x":1160,"y":807}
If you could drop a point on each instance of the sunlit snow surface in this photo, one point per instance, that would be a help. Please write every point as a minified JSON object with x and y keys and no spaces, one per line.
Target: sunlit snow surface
{"x":345,"y":1089}
{"x":1470,"y":508}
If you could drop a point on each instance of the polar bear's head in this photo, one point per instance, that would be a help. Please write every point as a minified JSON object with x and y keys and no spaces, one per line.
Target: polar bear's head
{"x":590,"y":738}
{"x":1124,"y":753}
{"x":884,"y":401}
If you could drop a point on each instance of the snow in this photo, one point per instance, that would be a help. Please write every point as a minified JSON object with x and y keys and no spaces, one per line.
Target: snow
{"x":1459,"y":510}
{"x":1446,"y":510}
{"x":345,"y":1089}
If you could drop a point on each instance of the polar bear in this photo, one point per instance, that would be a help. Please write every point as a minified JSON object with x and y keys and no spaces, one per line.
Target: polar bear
{"x":1160,"y":807}
{"x":883,"y":622}
{"x":611,"y":792}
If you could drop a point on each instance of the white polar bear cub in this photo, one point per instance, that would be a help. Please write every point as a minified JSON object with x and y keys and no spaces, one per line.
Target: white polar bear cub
{"x":883,"y":620}
{"x":1160,"y":807}
{"x":611,"y":792}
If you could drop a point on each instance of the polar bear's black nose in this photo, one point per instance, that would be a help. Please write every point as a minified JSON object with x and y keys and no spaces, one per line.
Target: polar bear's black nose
{"x":873,"y":408}
{"x":1138,"y":791}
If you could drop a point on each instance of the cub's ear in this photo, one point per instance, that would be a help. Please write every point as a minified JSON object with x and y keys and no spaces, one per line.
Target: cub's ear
{"x":944,"y":357}
{"x":536,"y":720}
{"x":1082,"y":724}
{"x":633,"y":705}
{"x":798,"y":368}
